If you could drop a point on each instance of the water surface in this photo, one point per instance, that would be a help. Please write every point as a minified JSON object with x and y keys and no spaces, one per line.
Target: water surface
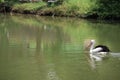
{"x":45,"y":48}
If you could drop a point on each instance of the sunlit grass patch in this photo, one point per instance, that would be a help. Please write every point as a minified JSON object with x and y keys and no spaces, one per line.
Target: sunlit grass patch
{"x":28,"y":6}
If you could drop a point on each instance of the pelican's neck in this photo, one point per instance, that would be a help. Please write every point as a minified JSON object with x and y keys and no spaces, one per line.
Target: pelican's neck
{"x":92,"y":46}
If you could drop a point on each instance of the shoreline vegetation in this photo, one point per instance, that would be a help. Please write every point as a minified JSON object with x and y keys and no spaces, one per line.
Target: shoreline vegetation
{"x":93,"y":9}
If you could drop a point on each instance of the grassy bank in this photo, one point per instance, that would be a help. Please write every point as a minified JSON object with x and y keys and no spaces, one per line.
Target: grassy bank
{"x":67,"y":8}
{"x":71,"y":8}
{"x":27,"y":7}
{"x":99,"y":9}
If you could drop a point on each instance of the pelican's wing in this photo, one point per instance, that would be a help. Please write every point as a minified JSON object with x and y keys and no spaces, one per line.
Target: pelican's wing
{"x":96,"y":50}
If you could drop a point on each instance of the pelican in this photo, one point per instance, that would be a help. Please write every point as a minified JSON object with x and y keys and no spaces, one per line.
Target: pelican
{"x":98,"y":52}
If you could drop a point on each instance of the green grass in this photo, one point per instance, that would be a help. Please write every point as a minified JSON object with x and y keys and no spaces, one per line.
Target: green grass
{"x":1,"y":1}
{"x":79,"y":6}
{"x":28,"y":6}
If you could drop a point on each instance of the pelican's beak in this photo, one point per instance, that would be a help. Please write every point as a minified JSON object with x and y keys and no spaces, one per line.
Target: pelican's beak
{"x":90,"y":44}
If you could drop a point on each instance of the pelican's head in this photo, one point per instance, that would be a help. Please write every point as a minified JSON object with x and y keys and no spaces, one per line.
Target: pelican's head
{"x":92,"y":41}
{"x":88,"y":43}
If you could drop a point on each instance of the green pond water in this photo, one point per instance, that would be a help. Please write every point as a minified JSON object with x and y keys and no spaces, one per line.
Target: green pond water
{"x":46,"y":48}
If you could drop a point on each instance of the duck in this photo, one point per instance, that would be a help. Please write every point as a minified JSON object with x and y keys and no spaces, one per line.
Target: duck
{"x":99,"y":51}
